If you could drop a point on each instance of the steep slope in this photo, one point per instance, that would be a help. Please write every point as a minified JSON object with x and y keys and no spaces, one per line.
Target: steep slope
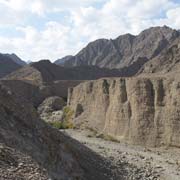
{"x":166,"y":62}
{"x":7,"y":65}
{"x":35,"y":94}
{"x":137,"y":110}
{"x":16,"y":59}
{"x":30,"y":149}
{"x":45,"y":71}
{"x":27,"y":73}
{"x":126,"y":50}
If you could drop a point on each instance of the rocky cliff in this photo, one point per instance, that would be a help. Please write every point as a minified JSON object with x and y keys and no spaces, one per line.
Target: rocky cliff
{"x":137,"y":110}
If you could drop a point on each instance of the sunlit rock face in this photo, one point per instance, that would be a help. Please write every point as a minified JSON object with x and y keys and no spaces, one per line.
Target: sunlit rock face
{"x":139,"y":110}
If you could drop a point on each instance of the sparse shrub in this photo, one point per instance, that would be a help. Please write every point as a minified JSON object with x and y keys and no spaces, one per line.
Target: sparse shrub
{"x":61,"y":125}
{"x":66,"y":123}
{"x":67,"y":113}
{"x":92,"y":130}
{"x":107,"y":137}
{"x":56,"y":124}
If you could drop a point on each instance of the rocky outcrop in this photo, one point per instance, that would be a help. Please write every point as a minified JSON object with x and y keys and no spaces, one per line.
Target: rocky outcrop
{"x":30,"y":149}
{"x":51,"y":109}
{"x":52,"y":104}
{"x":139,"y":110}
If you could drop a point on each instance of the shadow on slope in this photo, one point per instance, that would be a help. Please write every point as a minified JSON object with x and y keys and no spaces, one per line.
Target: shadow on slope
{"x":63,"y":158}
{"x":7,"y":65}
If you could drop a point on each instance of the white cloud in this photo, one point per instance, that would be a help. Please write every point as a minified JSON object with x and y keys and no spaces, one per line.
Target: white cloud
{"x":17,"y":5}
{"x":85,"y":22}
{"x":52,"y":42}
{"x":38,"y":8}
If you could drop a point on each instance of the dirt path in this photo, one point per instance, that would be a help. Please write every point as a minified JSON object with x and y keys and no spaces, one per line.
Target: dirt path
{"x":142,"y":163}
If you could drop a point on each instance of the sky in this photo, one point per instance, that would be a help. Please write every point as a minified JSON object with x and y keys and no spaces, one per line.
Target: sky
{"x":51,"y":29}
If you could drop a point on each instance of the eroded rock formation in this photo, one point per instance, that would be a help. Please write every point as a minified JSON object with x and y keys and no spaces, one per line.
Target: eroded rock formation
{"x":137,"y":110}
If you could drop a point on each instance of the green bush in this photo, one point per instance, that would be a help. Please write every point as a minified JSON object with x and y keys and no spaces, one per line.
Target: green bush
{"x":66,"y":123}
{"x":61,"y":125}
{"x":68,"y":113}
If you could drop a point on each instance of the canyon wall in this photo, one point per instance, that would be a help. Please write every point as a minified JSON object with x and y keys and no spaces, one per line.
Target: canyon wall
{"x":140,"y":110}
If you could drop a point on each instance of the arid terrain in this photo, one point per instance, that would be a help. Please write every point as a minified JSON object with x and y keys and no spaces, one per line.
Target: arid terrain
{"x":140,"y":162}
{"x":110,"y":112}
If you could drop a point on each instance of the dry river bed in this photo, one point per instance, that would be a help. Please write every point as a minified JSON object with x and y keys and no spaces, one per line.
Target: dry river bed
{"x":140,"y":163}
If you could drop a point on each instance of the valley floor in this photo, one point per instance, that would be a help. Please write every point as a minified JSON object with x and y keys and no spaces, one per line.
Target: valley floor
{"x":139,"y":163}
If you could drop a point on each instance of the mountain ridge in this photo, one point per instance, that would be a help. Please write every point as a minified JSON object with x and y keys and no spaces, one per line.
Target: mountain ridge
{"x":125,"y":50}
{"x":7,"y":65}
{"x":16,"y":59}
{"x":45,"y":71}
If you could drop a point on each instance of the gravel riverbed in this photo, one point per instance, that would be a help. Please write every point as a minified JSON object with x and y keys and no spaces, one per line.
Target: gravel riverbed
{"x":134,"y":162}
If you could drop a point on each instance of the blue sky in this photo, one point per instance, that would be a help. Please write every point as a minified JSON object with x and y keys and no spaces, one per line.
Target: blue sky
{"x":51,"y":29}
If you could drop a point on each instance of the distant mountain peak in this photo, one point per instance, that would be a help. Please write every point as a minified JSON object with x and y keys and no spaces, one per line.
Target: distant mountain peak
{"x":124,"y":51}
{"x":7,"y":65}
{"x":45,"y":71}
{"x":16,"y":59}
{"x":43,"y":61}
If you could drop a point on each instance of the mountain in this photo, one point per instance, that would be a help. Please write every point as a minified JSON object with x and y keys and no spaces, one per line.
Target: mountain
{"x":16,"y":59}
{"x":29,"y":62}
{"x":45,"y":71}
{"x":7,"y":65}
{"x":124,"y":51}
{"x":63,"y":60}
